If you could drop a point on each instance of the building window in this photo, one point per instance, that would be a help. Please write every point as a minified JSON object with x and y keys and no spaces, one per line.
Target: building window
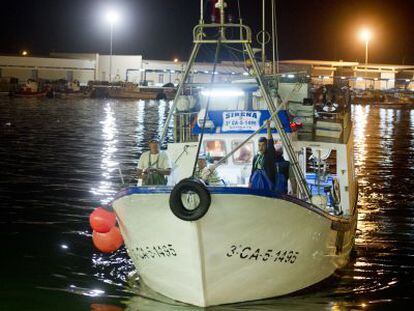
{"x":161,"y":78}
{"x":215,"y":150}
{"x":245,"y":154}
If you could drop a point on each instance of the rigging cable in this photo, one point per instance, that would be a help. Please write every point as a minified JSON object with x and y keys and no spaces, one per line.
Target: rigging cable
{"x":275,"y":39}
{"x":207,"y":106}
{"x":241,"y":31}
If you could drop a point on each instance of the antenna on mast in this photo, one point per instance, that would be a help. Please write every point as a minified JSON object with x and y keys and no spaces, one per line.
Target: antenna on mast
{"x":201,"y":11}
{"x":221,"y":5}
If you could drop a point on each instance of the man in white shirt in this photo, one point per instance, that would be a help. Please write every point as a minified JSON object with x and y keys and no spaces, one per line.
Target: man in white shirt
{"x":207,"y":174}
{"x":154,"y":166}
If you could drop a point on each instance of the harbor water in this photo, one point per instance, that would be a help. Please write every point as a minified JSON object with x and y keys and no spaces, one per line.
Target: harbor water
{"x":60,"y":159}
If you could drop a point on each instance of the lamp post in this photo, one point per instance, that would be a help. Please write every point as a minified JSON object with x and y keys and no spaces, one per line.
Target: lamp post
{"x":112,"y":17}
{"x":366,"y":36}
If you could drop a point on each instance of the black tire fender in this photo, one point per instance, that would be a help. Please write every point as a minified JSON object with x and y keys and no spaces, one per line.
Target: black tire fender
{"x":176,"y":204}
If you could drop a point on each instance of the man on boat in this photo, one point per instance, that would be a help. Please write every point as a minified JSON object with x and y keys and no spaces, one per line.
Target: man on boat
{"x":205,"y":173}
{"x":282,"y":171}
{"x":154,"y":165}
{"x":263,"y":169}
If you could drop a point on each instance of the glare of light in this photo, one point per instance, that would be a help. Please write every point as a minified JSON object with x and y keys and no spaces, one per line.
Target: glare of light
{"x":64,"y":246}
{"x":172,"y":71}
{"x":343,"y":78}
{"x":222,"y":93}
{"x":216,"y":73}
{"x":291,"y":76}
{"x":112,"y":17}
{"x":407,"y":80}
{"x":365,"y":35}
{"x":165,"y":70}
{"x":283,"y":76}
{"x":391,"y":80}
{"x":195,"y":71}
{"x":25,"y":53}
{"x":359,"y":79}
{"x":245,"y":73}
{"x":142,"y":70}
{"x":233,"y":73}
{"x":175,"y":60}
{"x":363,"y":305}
{"x":375,"y":79}
{"x":326,"y":77}
{"x":94,"y":293}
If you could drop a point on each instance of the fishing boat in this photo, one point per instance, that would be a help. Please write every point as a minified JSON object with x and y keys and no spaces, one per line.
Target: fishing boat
{"x":225,"y":243}
{"x":130,"y":90}
{"x":69,"y":90}
{"x":30,"y":90}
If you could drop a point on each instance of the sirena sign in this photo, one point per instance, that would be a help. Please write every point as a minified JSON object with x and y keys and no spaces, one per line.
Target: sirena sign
{"x":235,"y":121}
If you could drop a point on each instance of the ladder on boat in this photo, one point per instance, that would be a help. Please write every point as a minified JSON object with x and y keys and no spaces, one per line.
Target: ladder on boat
{"x":245,"y":40}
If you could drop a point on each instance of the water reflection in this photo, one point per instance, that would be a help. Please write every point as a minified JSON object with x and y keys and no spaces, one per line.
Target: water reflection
{"x":108,"y":164}
{"x":360,"y":115}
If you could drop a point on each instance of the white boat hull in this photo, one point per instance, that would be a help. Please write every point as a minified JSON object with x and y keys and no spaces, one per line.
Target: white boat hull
{"x":247,"y":247}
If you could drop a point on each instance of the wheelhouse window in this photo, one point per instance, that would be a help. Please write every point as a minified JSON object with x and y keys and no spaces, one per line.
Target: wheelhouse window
{"x":215,"y":149}
{"x":245,"y":154}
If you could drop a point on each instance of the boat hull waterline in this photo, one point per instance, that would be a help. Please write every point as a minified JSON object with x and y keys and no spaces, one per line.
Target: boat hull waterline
{"x":250,"y":245}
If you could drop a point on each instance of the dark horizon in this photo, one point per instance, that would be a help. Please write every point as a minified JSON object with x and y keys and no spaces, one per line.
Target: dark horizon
{"x":159,"y":29}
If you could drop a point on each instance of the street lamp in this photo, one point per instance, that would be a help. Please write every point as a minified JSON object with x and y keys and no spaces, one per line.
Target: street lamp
{"x":112,"y":17}
{"x":365,"y":36}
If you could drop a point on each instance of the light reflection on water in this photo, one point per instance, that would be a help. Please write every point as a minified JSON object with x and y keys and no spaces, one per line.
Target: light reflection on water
{"x":60,"y":159}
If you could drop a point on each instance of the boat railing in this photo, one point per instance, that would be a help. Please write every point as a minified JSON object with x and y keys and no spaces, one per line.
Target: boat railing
{"x":199,"y":33}
{"x":183,"y":127}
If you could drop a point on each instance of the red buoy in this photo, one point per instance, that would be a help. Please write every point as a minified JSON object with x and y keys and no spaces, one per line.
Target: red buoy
{"x":102,"y":220}
{"x":108,"y":242}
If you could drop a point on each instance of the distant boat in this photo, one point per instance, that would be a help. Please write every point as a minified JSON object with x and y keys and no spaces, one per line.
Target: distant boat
{"x":69,"y":90}
{"x":133,"y":91}
{"x":30,"y":90}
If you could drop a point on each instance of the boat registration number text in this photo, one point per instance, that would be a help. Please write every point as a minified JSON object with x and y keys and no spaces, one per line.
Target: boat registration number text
{"x":265,"y":255}
{"x":156,"y":251}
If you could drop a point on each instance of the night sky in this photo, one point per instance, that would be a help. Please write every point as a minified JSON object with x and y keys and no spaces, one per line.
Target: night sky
{"x":161,"y":29}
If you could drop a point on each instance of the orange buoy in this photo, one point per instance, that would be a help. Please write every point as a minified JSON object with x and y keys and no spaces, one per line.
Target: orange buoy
{"x":108,"y":242}
{"x":102,"y":220}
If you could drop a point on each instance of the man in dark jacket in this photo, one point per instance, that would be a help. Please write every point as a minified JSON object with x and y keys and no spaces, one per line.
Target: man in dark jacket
{"x":265,"y":159}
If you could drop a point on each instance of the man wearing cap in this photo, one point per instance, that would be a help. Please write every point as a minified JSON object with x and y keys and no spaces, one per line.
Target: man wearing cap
{"x":263,"y":169}
{"x":208,"y":175}
{"x":153,"y":165}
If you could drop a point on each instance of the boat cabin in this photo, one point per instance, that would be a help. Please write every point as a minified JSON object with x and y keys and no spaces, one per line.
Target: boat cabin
{"x":317,"y":121}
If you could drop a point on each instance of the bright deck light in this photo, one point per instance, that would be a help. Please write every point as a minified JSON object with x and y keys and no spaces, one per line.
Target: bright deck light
{"x":222,"y":93}
{"x":112,"y":17}
{"x":25,"y":53}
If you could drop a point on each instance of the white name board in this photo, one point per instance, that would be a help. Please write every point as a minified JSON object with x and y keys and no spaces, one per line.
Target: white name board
{"x":241,"y":121}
